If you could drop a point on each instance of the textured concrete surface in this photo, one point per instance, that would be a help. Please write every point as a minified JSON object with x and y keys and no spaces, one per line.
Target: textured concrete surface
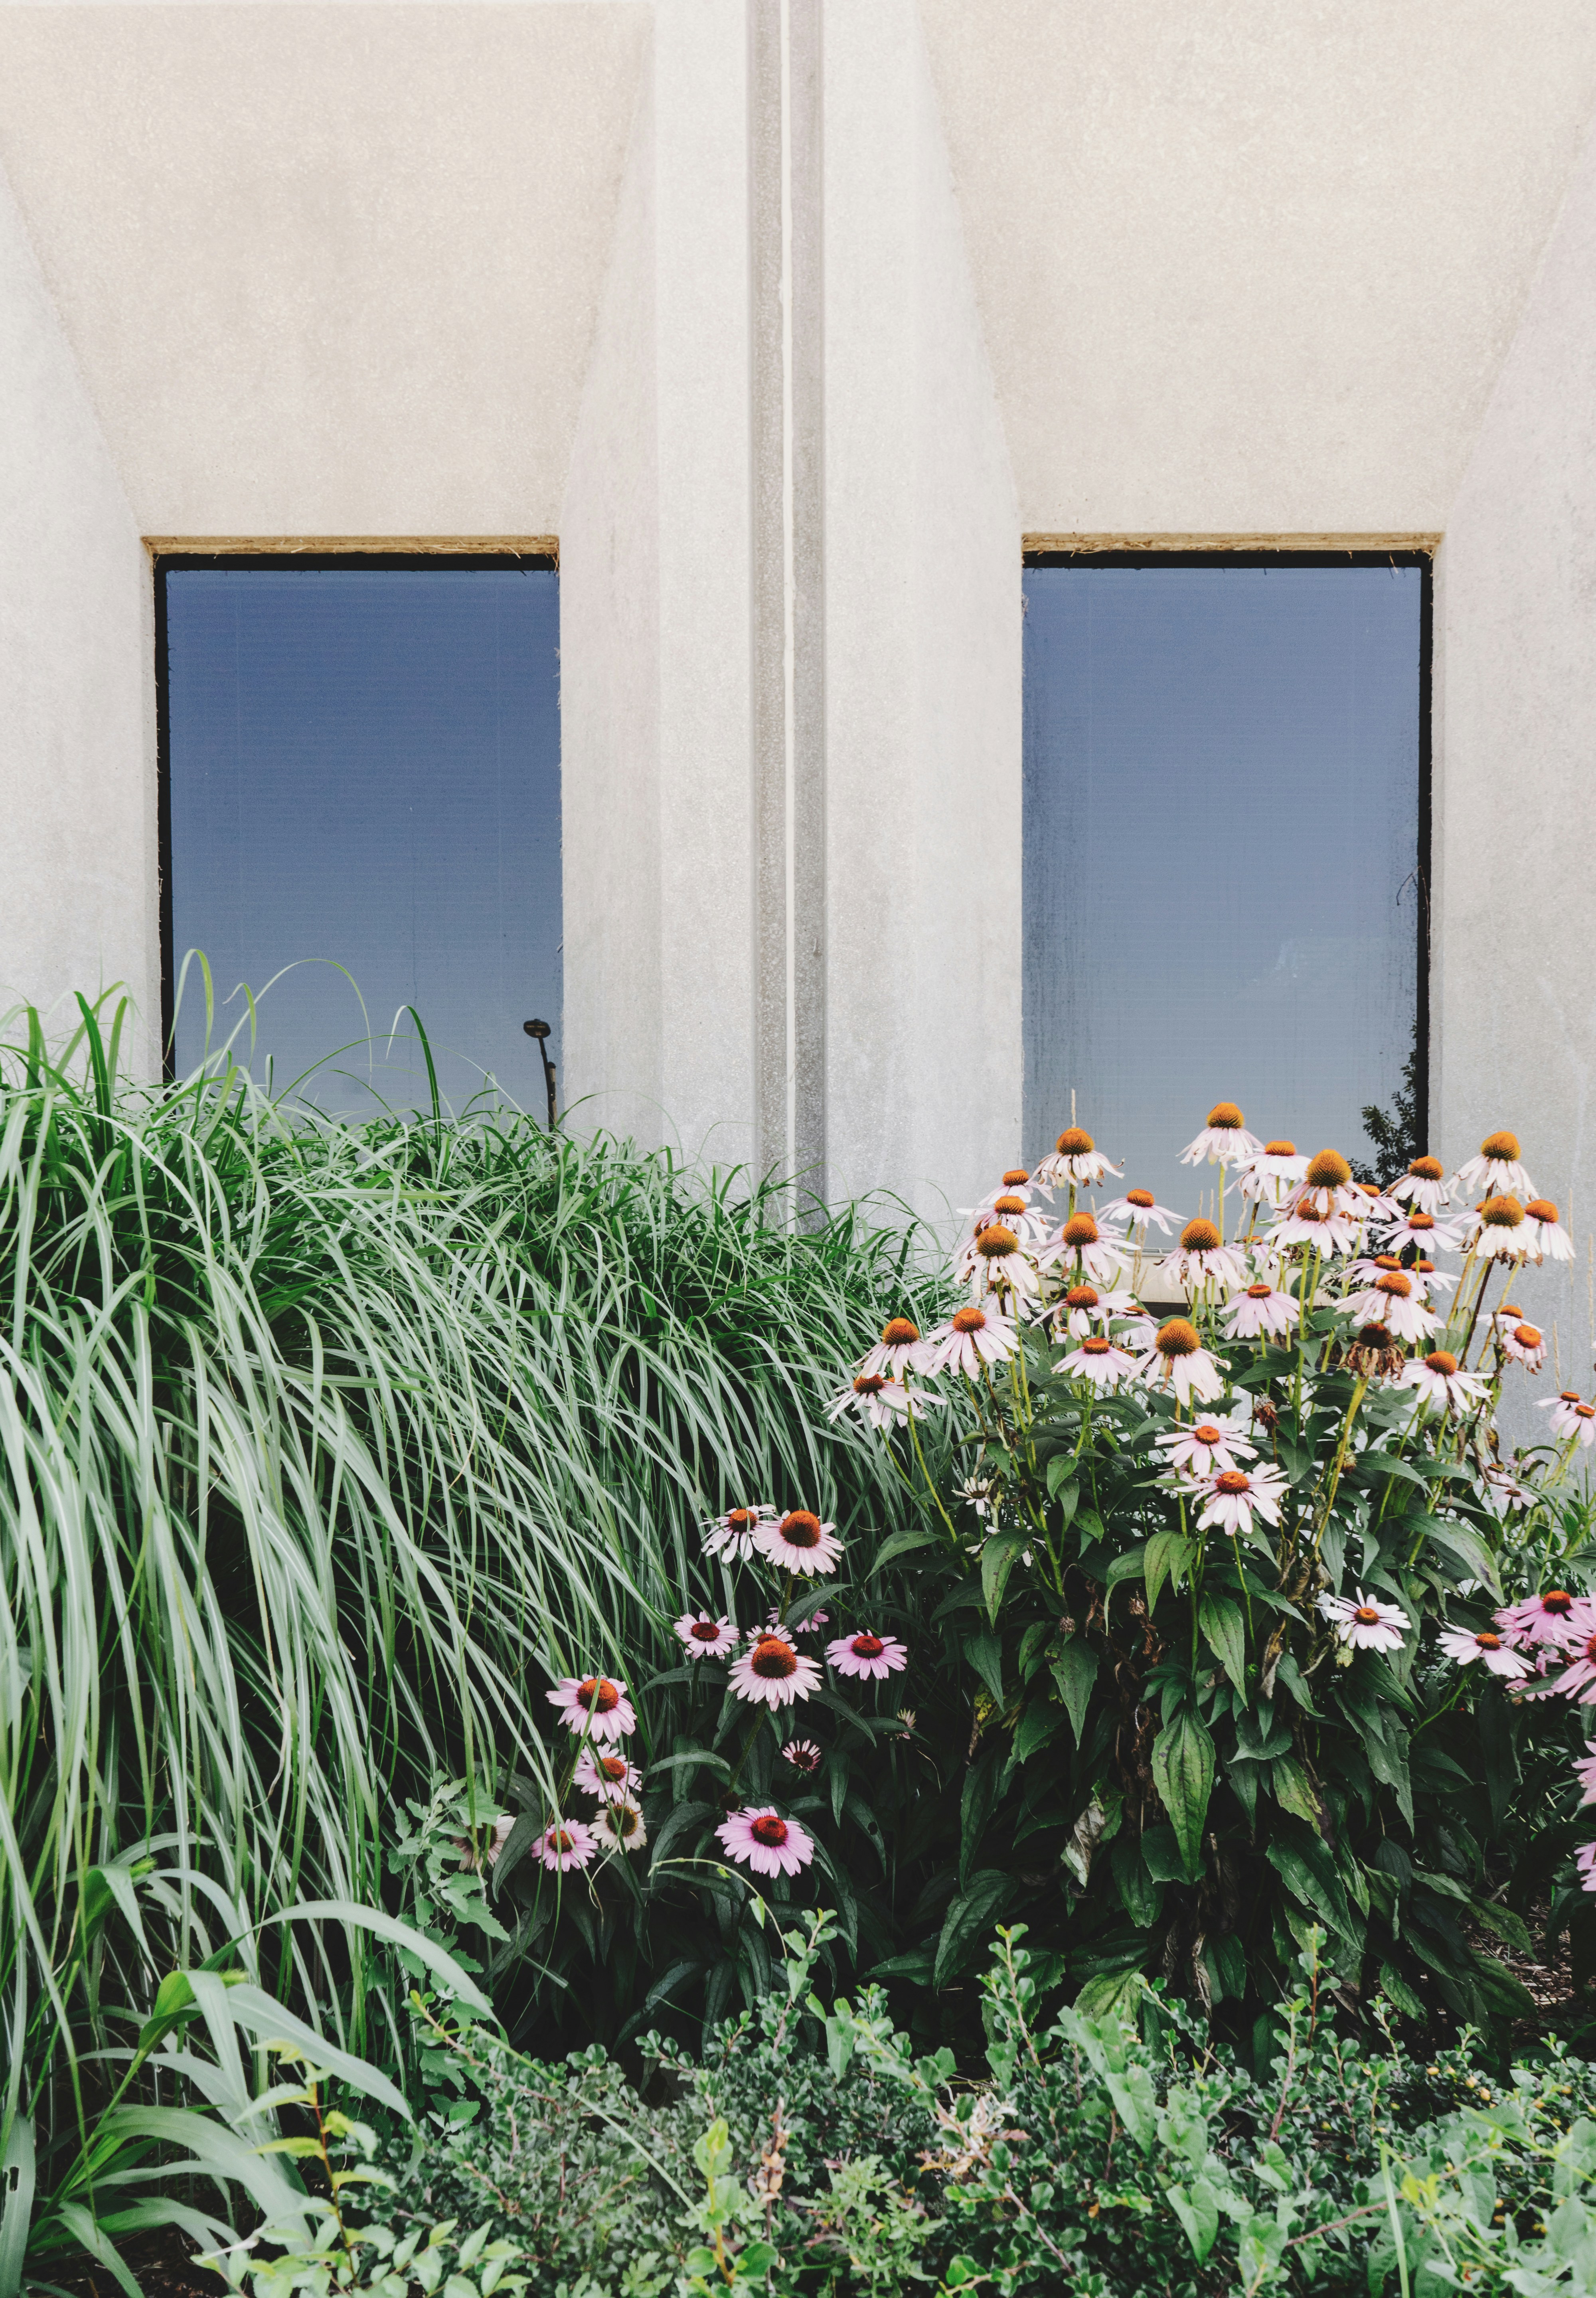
{"x":78,"y":851}
{"x":327,"y":269}
{"x":1514,"y":985}
{"x":1253,"y":268}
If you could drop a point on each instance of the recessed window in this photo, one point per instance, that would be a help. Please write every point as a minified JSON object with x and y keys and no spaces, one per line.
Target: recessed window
{"x":362,"y":818}
{"x":1223,"y":864}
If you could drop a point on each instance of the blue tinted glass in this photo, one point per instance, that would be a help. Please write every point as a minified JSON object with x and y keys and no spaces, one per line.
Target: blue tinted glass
{"x":1221,"y":831}
{"x":365,"y":774}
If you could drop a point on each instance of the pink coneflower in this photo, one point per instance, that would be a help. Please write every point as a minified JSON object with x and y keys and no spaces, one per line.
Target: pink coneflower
{"x":734,"y":1536}
{"x":1202,"y":1451}
{"x":594,"y":1707}
{"x":1082,"y":1251}
{"x":1201,"y":1258}
{"x":1138,"y":1209}
{"x":1435,"y":1280}
{"x":1011,"y":1209}
{"x":1440,"y":1382}
{"x":1366,"y":1625}
{"x":1260,"y":1311}
{"x":773,"y":1671}
{"x":1235,"y":1495}
{"x":899,"y":1348}
{"x":804,"y":1755}
{"x":884,"y":1404}
{"x":1424,"y":1185}
{"x":971,"y":1339}
{"x":800,"y":1543}
{"x":1416,"y":1227}
{"x":1554,"y":1618}
{"x":1504,"y":1491}
{"x":765,"y":1841}
{"x":1224,"y":1140}
{"x":1269,"y":1177}
{"x":1076,"y":1162}
{"x":1549,"y":1239}
{"x":1303,"y":1223}
{"x":1525,"y":1344}
{"x":1134,"y":1327}
{"x":1570,"y":1417}
{"x":1578,"y":1680}
{"x":565,"y":1845}
{"x":775,"y":1625}
{"x":1497,"y":1230}
{"x":1390,"y":1300}
{"x":1495,"y":1169}
{"x":606,"y":1776}
{"x":1098,"y":1360}
{"x":1078,"y":1312}
{"x":867,"y":1654}
{"x":993,"y":1258}
{"x":1179,"y":1357}
{"x":1584,"y":1860}
{"x":1328,"y":1186}
{"x":620,"y":1825}
{"x":706,"y":1638}
{"x":471,"y":1860}
{"x":1584,"y":1772}
{"x":1467,"y":1644}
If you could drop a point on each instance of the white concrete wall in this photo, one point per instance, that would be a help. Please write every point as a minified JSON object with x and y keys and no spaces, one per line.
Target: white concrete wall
{"x":922,"y":652}
{"x":1513,"y":976}
{"x":77,"y":828}
{"x":655,"y":625}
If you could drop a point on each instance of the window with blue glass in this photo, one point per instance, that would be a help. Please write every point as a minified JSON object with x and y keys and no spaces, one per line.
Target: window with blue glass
{"x":362,"y":823}
{"x":1225,"y":795}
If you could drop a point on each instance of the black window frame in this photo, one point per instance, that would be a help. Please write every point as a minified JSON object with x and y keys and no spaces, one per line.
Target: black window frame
{"x":309,"y":562}
{"x":1423,"y":559}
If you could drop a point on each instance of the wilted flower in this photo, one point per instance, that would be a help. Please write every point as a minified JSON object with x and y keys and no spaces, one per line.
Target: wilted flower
{"x":1467,"y":1644}
{"x":1077,"y":1162}
{"x":706,"y":1637}
{"x":1098,"y":1360}
{"x":1424,"y":1185}
{"x":1224,"y":1140}
{"x":800,"y":1543}
{"x":1527,"y":1345}
{"x":1496,"y":1167}
{"x":734,"y":1536}
{"x":867,"y":1655}
{"x":1137,"y":1208}
{"x":593,"y":1705}
{"x":773,"y":1672}
{"x":1549,"y":1239}
{"x":1439,"y":1381}
{"x":1235,"y":1495}
{"x":1366,"y":1625}
{"x":972,"y":1339}
{"x":1178,"y":1356}
{"x":1374,"y":1352}
{"x":565,"y":1845}
{"x":762,"y":1839}
{"x":1569,"y":1416}
{"x":1261,"y":1309}
{"x":1202,"y":1258}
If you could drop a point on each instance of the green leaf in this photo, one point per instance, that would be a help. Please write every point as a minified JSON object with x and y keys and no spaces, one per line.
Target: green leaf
{"x":1168,"y":1555}
{"x":1128,"y":1566}
{"x":1039,"y":1724}
{"x":1199,"y":2214}
{"x":1461,"y":1540}
{"x":1061,"y":1471}
{"x":1396,"y":1989}
{"x":1293,"y":1790}
{"x":998,"y":1560}
{"x":1075,"y":1672}
{"x":969,"y":1919}
{"x":983,"y":1650}
{"x":1308,"y":1872}
{"x":902,"y":1543}
{"x":1222,"y":1623}
{"x":975,"y":1806}
{"x":1183,"y":1774}
{"x":1114,"y":1993}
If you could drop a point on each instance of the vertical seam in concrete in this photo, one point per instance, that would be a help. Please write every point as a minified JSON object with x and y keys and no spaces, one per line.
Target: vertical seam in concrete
{"x":767,"y":584}
{"x":807,"y":291}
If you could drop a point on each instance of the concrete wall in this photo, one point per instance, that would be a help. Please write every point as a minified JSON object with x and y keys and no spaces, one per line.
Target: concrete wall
{"x":78,"y":884}
{"x":922,"y":652}
{"x":1514,"y":982}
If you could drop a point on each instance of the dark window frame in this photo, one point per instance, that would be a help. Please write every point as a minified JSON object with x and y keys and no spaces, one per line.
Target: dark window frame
{"x":1423,"y":559}
{"x":309,"y":562}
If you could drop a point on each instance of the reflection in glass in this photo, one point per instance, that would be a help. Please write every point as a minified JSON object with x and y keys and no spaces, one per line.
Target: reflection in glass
{"x":365,"y":775}
{"x":1222,"y":835}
